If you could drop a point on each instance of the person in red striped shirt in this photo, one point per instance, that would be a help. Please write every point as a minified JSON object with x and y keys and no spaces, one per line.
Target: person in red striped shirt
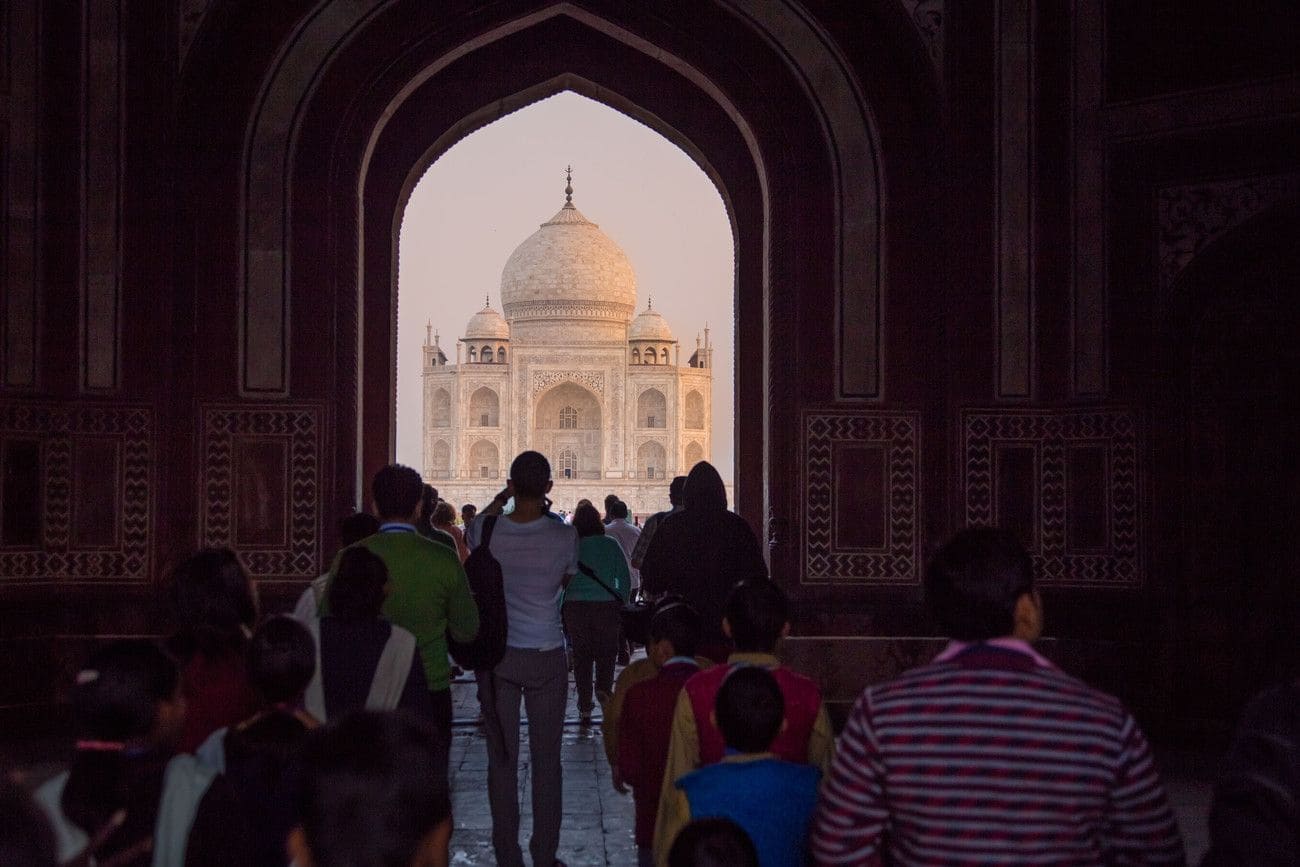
{"x":990,"y":754}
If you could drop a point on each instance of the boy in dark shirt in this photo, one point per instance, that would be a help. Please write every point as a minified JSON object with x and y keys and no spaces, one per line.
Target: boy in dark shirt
{"x":647,"y":717}
{"x":771,"y":799}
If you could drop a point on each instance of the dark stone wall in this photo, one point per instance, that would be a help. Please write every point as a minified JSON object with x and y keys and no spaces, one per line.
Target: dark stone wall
{"x":1019,"y":262}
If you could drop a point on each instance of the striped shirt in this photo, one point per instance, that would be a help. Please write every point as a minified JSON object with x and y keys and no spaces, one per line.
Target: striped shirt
{"x":991,"y":755}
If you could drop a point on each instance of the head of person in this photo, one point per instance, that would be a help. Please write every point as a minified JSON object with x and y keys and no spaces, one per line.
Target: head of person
{"x":610,"y":500}
{"x":444,"y":514}
{"x":428,"y":502}
{"x":749,"y":709}
{"x":398,"y":491}
{"x":359,"y":586}
{"x":126,"y":704}
{"x":467,"y":513}
{"x":213,"y":604}
{"x":674,"y":631}
{"x":677,"y":490}
{"x":530,"y":477}
{"x":757,"y":616}
{"x":26,"y":839}
{"x":980,"y":585}
{"x":713,"y":843}
{"x":619,"y":512}
{"x":586,"y":520}
{"x":373,"y":793}
{"x":281,"y":660}
{"x":357,"y":526}
{"x":704,"y":489}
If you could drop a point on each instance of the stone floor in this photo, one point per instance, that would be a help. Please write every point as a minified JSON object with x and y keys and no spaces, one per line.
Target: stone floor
{"x":598,"y":821}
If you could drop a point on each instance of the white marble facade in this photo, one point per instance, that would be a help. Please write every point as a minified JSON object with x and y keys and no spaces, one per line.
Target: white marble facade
{"x":570,"y":372}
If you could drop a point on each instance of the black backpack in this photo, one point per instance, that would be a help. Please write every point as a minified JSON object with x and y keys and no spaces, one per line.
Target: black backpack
{"x":487,"y":648}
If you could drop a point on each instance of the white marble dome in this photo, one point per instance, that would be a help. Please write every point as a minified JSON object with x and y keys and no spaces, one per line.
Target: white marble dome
{"x":487,"y":324}
{"x":650,"y":325}
{"x":569,"y":268}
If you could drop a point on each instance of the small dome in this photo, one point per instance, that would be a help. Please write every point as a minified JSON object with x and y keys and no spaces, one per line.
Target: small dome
{"x":650,"y":325}
{"x":487,"y":324}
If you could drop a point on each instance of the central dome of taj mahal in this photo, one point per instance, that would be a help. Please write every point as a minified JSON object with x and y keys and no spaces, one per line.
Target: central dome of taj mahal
{"x":568,"y":269}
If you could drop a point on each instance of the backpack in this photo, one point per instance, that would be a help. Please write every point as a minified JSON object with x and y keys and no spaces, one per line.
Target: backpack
{"x":486,"y":583}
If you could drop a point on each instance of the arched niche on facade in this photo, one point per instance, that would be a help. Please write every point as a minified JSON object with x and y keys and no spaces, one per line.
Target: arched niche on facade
{"x":484,"y":408}
{"x":484,"y":460}
{"x":694,"y":454}
{"x":440,"y":408}
{"x":440,"y":460}
{"x":651,"y":461}
{"x":340,"y":130}
{"x":651,"y":409}
{"x":694,"y":411}
{"x":569,"y":416}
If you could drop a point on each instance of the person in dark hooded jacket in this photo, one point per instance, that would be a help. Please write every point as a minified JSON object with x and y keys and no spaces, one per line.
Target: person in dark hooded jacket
{"x":702,"y":552}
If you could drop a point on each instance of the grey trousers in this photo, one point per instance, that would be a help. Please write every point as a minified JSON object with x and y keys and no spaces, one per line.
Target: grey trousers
{"x":541,"y":679}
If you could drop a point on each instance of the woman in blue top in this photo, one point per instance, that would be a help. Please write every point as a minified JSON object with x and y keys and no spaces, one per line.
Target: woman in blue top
{"x":591,"y":607}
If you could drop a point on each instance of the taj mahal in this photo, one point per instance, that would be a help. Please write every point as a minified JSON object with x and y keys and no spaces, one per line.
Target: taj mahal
{"x":570,"y":372}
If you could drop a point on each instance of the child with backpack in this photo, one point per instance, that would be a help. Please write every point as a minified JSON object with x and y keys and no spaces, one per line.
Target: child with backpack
{"x":771,"y":799}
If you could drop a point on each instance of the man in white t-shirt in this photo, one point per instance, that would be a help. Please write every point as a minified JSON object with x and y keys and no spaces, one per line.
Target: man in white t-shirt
{"x":627,"y":536}
{"x":538,"y":554}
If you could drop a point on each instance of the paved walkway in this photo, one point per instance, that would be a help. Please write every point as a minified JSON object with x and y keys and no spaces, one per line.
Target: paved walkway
{"x":598,"y":821}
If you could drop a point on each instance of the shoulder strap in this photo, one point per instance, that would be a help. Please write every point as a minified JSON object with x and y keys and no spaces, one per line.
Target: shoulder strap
{"x":389,"y":679}
{"x":590,"y":573}
{"x":184,"y":785}
{"x":489,"y":523}
{"x":314,"y":697}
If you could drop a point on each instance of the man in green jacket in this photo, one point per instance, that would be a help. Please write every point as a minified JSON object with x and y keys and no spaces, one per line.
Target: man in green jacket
{"x":428,"y":593}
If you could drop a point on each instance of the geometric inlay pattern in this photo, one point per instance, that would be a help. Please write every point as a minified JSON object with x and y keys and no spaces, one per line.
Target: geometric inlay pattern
{"x":1052,"y":432}
{"x":57,"y":428}
{"x":302,"y":429}
{"x":896,"y":561}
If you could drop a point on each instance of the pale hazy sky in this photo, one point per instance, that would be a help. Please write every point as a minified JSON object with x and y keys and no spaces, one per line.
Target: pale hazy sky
{"x":491,"y":190}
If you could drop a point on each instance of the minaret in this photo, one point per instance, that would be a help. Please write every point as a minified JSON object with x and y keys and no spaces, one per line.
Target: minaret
{"x":428,"y":332}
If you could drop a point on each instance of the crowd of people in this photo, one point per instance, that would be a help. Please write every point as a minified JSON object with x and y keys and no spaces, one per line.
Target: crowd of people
{"x":322,"y":737}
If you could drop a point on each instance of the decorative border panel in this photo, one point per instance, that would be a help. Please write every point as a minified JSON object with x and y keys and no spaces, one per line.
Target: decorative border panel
{"x":1052,"y":432}
{"x":303,"y":426}
{"x":899,"y":436}
{"x":58,"y":427}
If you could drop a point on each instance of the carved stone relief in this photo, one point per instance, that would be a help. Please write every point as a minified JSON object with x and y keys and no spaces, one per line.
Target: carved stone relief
{"x":1192,"y":216}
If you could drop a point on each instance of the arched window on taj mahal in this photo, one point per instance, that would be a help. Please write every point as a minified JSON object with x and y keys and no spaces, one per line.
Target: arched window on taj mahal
{"x":694,"y":411}
{"x":694,"y":454}
{"x":440,"y":460}
{"x":484,"y":460}
{"x":473,"y":355}
{"x":484,"y":408}
{"x":440,"y":412}
{"x":652,"y":409}
{"x":636,"y":356}
{"x":568,"y":464}
{"x":501,"y":355}
{"x":651,"y":461}
{"x":650,"y":357}
{"x":487,"y":355}
{"x":568,"y":418}
{"x":664,"y":355}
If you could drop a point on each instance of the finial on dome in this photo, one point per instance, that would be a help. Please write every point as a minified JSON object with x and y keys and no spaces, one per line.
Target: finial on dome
{"x":650,"y":302}
{"x":487,"y":301}
{"x":568,"y":186}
